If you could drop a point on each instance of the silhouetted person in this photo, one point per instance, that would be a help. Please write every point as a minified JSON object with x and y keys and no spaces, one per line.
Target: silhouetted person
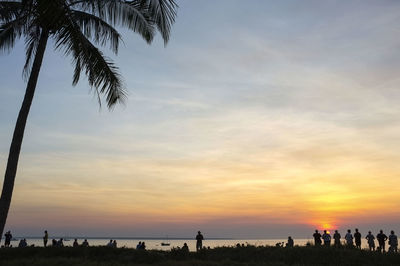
{"x":371,"y":241}
{"x":8,"y":237}
{"x":139,"y":245}
{"x":185,"y":248}
{"x":349,"y":238}
{"x":393,"y":242}
{"x":60,"y":243}
{"x":336,"y":238}
{"x":199,"y":241}
{"x":357,"y":239}
{"x":381,"y":237}
{"x":45,"y":238}
{"x":290,"y":242}
{"x":54,"y":242}
{"x":22,"y":243}
{"x":327,"y":238}
{"x":317,"y":238}
{"x":143,"y":246}
{"x":110,"y":244}
{"x":75,"y":244}
{"x":85,"y":243}
{"x":114,"y":243}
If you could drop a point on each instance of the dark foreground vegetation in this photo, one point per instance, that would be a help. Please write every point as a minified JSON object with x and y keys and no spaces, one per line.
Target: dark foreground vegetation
{"x":214,"y":257}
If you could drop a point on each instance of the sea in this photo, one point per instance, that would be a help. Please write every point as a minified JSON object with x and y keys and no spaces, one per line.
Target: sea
{"x":155,"y":244}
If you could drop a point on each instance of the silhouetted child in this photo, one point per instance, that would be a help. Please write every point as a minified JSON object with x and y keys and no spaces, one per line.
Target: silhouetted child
{"x":393,"y":242}
{"x":371,"y":241}
{"x":381,"y":237}
{"x":139,"y":245}
{"x":114,"y":243}
{"x":317,"y":238}
{"x":199,"y":241}
{"x":75,"y":244}
{"x":143,"y":246}
{"x":357,"y":239}
{"x":327,"y":238}
{"x":349,"y":238}
{"x":110,"y":244}
{"x":336,"y":238}
{"x":60,"y":243}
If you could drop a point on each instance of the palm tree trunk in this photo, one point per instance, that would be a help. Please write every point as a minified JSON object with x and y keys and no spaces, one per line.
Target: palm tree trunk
{"x":16,"y":143}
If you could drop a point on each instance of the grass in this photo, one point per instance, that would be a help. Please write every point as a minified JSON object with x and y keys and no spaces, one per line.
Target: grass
{"x":241,"y":256}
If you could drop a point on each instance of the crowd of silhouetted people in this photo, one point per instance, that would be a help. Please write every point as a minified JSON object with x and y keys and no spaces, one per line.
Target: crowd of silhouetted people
{"x":325,"y":239}
{"x":354,"y":240}
{"x":112,"y":243}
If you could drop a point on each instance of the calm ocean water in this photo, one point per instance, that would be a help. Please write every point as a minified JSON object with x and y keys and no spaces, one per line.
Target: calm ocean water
{"x":156,"y":243}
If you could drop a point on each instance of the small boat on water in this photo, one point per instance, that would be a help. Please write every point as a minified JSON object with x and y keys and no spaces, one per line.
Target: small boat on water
{"x":166,"y":243}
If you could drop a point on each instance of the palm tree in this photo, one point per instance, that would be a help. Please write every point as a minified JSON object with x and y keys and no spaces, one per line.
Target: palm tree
{"x":76,"y":27}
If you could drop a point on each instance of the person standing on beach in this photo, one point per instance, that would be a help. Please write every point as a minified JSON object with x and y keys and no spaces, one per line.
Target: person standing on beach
{"x":45,"y":238}
{"x":357,"y":239}
{"x":290,"y":242}
{"x":199,"y":241}
{"x":371,"y":241}
{"x":381,"y":240}
{"x":327,"y":238}
{"x":393,"y":242}
{"x":317,"y":238}
{"x":8,"y":237}
{"x":349,"y":238}
{"x":336,"y":237}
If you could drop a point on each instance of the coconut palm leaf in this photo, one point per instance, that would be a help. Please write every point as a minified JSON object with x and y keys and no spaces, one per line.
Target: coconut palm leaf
{"x":121,"y":13}
{"x":9,"y":10}
{"x":164,"y":13}
{"x":102,"y":74}
{"x":10,"y":32}
{"x":97,"y":29}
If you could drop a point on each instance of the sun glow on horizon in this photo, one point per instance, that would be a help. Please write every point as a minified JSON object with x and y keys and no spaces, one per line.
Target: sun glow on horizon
{"x":229,"y":127}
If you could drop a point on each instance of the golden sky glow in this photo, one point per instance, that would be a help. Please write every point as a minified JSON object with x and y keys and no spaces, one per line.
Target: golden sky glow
{"x":287,"y":124}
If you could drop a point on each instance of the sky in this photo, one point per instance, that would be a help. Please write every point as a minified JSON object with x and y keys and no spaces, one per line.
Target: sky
{"x":259,"y":119}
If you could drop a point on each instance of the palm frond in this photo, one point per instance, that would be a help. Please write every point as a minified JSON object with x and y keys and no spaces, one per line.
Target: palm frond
{"x":120,"y":13}
{"x":102,"y":74}
{"x":97,"y":29}
{"x":9,"y":33}
{"x":31,"y":44}
{"x":163,"y":12}
{"x":9,"y":10}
